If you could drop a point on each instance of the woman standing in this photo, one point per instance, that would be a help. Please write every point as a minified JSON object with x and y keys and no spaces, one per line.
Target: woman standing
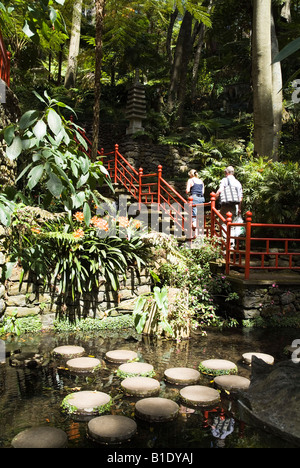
{"x":195,"y":188}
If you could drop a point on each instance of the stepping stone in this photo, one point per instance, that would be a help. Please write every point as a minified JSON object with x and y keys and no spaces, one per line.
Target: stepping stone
{"x":232,"y":383}
{"x":199,"y":395}
{"x":156,"y":409}
{"x":182,"y":376}
{"x":217,"y":367}
{"x":69,"y":351}
{"x":140,"y":386}
{"x":135,"y":369}
{"x":83,"y":364}
{"x":120,"y":355}
{"x":41,"y":437}
{"x":111,"y":429}
{"x":247,"y":357}
{"x":86,"y":403}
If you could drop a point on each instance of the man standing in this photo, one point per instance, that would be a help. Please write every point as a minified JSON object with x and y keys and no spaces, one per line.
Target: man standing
{"x":234,"y":206}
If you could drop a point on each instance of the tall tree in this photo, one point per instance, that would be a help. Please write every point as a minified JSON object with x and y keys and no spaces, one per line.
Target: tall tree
{"x":70,"y":77}
{"x":262,"y":78}
{"x":100,"y":8}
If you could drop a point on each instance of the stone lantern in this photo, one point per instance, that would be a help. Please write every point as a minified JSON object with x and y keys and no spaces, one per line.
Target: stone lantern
{"x":136,"y":108}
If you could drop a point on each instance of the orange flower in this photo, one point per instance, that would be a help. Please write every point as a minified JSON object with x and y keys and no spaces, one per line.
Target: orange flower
{"x":79,"y":216}
{"x":78,"y":234}
{"x":123,"y":222}
{"x":137,"y":224}
{"x":35,"y":230}
{"x":99,"y":223}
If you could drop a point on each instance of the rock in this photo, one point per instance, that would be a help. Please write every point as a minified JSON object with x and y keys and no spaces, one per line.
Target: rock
{"x":83,"y":364}
{"x":200,"y":395}
{"x":247,"y":357}
{"x":272,"y":400}
{"x":111,"y":429}
{"x":217,"y":367}
{"x":156,"y":409}
{"x":182,"y":376}
{"x":68,"y":351}
{"x":40,"y":437}
{"x":86,"y":403}
{"x":140,"y":386}
{"x":134,"y":369}
{"x":232,"y":383}
{"x":118,"y":356}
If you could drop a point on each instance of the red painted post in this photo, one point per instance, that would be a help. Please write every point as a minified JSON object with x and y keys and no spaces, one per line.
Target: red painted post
{"x":212,"y":214}
{"x":248,"y":244}
{"x":8,"y":68}
{"x":141,"y":171}
{"x":228,"y":235}
{"x":190,"y":218}
{"x":159,"y":175}
{"x":116,"y":162}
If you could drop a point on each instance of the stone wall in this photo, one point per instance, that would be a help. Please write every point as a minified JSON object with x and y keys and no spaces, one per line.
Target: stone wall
{"x":32,"y":299}
{"x":277,"y":298}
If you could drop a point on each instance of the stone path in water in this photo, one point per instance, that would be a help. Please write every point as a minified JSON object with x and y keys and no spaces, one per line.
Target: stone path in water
{"x":137,"y":380}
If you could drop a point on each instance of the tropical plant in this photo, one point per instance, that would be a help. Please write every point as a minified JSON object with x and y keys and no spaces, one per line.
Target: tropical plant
{"x":153,"y":308}
{"x":74,"y":257}
{"x":54,"y":154}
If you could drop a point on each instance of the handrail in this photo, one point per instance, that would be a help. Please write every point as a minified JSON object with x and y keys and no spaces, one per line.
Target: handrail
{"x":243,"y":254}
{"x":159,"y":192}
{"x":4,"y":62}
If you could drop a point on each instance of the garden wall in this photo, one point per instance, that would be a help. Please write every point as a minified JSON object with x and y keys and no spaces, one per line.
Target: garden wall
{"x":31,"y":299}
{"x":276,"y":299}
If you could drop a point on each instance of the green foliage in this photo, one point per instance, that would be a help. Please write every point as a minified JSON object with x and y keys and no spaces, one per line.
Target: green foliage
{"x":154,"y":307}
{"x":55,"y":159}
{"x":73,"y":256}
{"x":10,"y":325}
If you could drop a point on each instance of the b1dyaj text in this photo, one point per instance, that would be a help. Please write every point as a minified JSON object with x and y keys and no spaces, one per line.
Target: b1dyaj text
{"x":153,"y":457}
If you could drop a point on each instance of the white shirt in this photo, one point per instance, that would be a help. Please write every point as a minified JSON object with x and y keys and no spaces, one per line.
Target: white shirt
{"x":231,"y":180}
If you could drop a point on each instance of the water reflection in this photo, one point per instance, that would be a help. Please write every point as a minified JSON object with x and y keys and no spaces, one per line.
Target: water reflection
{"x":31,"y":397}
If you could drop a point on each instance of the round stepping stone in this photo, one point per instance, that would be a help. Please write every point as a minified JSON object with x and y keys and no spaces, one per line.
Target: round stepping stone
{"x":182,"y":376}
{"x":69,"y":351}
{"x":83,"y":364}
{"x":118,"y":356}
{"x":232,"y":383}
{"x":199,"y":395}
{"x":217,"y":367}
{"x":40,"y":437}
{"x":135,"y":369}
{"x":156,"y":409}
{"x":86,"y":403}
{"x":247,"y":357}
{"x":140,"y":386}
{"x":111,"y":428}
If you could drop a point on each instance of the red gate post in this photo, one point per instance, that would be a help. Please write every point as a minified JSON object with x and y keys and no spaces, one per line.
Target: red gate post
{"x":141,"y":171}
{"x":116,"y":162}
{"x":248,"y":244}
{"x":228,"y":236}
{"x":159,"y":176}
{"x":212,"y":214}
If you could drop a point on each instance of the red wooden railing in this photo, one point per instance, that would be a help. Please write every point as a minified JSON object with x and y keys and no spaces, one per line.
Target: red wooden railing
{"x":253,"y":251}
{"x":4,"y":62}
{"x":250,"y":252}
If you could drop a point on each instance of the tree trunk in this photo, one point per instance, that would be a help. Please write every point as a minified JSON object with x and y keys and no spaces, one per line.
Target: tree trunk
{"x":100,"y":6}
{"x":262,"y":79}
{"x":277,"y":93}
{"x":70,"y":78}
{"x":183,"y":50}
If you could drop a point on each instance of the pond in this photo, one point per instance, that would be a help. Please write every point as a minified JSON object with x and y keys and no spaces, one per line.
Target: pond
{"x":32,"y":397}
